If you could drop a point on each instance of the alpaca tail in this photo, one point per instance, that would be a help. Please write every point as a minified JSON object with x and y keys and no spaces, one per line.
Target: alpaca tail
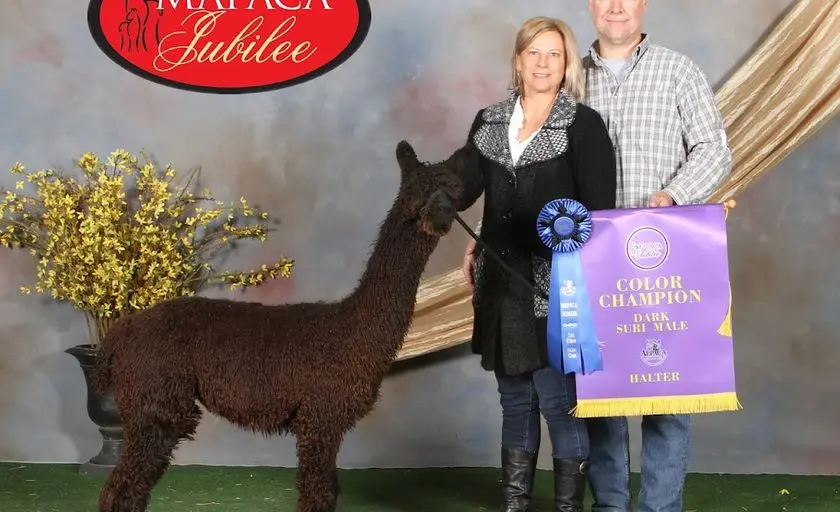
{"x":101,"y":372}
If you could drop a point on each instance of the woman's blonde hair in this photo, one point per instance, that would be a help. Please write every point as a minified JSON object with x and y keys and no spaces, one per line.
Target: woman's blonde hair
{"x":573,"y":80}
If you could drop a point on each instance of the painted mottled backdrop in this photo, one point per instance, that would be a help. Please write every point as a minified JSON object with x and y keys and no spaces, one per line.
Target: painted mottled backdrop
{"x":322,"y":152}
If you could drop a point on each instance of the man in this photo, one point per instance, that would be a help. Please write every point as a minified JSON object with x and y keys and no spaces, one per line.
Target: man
{"x":671,"y":148}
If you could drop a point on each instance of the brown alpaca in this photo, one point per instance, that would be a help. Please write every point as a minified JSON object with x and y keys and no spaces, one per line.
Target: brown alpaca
{"x":311,"y":369}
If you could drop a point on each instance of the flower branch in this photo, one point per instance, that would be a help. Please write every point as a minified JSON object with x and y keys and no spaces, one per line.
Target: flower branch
{"x":123,"y":237}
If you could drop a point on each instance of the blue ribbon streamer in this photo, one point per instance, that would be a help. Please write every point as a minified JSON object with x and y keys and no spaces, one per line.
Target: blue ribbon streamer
{"x":564,"y":226}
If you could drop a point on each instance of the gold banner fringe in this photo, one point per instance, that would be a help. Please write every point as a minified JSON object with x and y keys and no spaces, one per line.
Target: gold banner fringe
{"x":643,"y":406}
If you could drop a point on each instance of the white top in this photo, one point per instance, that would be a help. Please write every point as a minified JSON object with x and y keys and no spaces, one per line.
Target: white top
{"x":516,"y":122}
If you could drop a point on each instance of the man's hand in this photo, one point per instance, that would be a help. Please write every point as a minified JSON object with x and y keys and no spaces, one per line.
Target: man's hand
{"x":660,"y":199}
{"x":468,"y":264}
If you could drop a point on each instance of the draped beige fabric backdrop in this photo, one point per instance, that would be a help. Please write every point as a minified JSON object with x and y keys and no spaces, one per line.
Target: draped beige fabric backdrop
{"x":779,"y":97}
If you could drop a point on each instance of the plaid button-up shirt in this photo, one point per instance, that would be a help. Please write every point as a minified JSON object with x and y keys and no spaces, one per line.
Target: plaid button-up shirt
{"x":667,"y":131}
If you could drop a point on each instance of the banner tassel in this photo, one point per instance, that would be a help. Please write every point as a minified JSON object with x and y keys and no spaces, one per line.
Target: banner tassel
{"x":725,"y":328}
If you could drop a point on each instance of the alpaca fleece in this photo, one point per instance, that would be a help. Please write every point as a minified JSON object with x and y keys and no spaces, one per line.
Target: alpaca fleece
{"x":312,"y":370}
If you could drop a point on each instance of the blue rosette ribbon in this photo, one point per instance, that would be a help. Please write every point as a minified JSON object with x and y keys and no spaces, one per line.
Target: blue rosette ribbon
{"x":564,"y":226}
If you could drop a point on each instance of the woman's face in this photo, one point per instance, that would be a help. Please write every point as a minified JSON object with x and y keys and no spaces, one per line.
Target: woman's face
{"x":542,"y":64}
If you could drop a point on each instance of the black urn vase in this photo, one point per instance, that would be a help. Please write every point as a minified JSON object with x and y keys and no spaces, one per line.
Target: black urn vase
{"x":102,"y":411}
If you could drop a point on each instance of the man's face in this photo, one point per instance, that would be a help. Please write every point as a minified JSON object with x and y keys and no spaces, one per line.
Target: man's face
{"x":618,"y":21}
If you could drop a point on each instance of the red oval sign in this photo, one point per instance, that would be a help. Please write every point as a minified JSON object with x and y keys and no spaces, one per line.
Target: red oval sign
{"x":229,"y":46}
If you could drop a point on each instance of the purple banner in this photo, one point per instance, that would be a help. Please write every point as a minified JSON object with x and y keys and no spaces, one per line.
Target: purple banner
{"x":658,"y":284}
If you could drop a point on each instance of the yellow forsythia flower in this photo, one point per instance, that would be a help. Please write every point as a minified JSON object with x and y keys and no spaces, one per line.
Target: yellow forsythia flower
{"x":122,"y":236}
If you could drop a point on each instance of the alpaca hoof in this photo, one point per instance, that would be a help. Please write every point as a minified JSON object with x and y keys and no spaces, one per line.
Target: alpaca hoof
{"x":317,"y":509}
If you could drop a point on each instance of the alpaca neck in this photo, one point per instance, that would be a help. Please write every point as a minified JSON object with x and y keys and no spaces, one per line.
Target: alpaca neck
{"x":387,"y":290}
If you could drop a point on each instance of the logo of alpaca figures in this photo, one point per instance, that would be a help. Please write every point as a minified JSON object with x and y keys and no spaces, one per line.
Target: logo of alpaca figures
{"x":229,"y":46}
{"x":653,"y":354}
{"x":141,"y":22}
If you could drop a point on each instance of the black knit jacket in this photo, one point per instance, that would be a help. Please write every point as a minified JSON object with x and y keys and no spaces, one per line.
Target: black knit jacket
{"x":572,"y":156}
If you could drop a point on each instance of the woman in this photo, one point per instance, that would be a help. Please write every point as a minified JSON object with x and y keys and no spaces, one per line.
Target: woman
{"x":537,"y":145}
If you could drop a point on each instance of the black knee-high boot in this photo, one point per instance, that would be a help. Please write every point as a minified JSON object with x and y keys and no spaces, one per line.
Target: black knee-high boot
{"x":569,"y":484}
{"x":518,"y":467}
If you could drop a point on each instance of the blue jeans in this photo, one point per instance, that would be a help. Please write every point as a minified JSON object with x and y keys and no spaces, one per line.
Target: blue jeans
{"x":548,"y":391}
{"x":666,"y":447}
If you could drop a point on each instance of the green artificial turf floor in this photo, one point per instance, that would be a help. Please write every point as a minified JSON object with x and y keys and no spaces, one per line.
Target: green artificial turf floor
{"x":59,"y":488}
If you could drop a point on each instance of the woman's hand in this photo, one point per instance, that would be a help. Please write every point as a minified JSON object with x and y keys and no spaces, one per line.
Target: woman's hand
{"x":468,"y":265}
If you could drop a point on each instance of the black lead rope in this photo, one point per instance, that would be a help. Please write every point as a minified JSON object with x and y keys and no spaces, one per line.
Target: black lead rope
{"x":497,"y":257}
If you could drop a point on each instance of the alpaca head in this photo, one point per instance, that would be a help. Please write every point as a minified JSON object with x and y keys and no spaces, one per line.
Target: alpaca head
{"x":429,"y":193}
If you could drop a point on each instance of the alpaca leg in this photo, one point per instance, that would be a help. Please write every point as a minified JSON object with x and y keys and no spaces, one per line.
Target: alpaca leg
{"x":317,"y":475}
{"x":146,"y":456}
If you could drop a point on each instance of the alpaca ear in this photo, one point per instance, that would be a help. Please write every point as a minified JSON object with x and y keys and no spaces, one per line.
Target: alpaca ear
{"x":458,"y":160}
{"x":406,"y":157}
